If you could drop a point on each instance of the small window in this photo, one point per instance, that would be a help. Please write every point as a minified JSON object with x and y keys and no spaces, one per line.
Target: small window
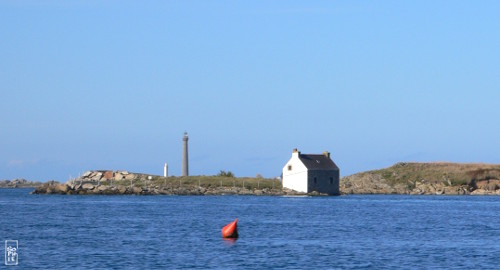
{"x":315,"y":180}
{"x":331,"y":180}
{"x":289,"y":167}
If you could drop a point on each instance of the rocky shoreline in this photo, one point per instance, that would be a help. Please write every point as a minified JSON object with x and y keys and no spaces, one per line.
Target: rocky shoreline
{"x":89,"y":189}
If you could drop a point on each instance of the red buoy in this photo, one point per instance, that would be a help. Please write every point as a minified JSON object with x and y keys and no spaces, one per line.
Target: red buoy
{"x":230,"y":230}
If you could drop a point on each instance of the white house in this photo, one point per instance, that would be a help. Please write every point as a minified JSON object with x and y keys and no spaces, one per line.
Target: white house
{"x":308,"y":173}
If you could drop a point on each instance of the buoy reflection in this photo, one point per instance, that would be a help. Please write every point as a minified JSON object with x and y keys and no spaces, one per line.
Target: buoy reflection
{"x":229,"y":241}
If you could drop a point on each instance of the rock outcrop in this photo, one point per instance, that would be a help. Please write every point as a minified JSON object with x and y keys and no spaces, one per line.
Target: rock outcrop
{"x":426,"y":178}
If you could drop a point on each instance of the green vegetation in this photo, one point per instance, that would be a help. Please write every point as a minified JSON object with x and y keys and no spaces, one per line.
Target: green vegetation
{"x":225,"y":174}
{"x":448,"y":174}
{"x":226,"y":180}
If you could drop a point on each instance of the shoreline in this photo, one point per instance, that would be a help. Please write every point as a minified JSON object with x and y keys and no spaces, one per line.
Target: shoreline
{"x":88,"y":189}
{"x":53,"y":189}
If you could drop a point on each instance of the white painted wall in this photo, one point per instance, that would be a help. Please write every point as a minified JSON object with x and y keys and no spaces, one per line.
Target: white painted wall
{"x":296,"y":178}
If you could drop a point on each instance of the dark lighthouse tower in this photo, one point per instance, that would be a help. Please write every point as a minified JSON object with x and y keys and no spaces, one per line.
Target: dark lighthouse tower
{"x":185,"y":166}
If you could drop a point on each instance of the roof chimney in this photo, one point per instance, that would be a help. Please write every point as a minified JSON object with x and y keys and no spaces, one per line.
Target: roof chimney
{"x":295,"y":152}
{"x":327,"y":154}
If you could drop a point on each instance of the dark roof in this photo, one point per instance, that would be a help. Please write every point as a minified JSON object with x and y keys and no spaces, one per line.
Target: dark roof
{"x":318,"y":162}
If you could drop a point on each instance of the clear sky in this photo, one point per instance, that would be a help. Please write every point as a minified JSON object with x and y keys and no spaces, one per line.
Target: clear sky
{"x":114,"y":84}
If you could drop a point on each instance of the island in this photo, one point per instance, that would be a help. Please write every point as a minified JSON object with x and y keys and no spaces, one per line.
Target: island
{"x":123,"y":182}
{"x":434,"y":178}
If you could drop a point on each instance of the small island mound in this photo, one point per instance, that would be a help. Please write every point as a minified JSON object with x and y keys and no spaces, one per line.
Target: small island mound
{"x":426,"y":178}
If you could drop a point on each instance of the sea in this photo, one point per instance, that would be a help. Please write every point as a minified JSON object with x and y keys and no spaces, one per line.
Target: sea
{"x":184,"y":232}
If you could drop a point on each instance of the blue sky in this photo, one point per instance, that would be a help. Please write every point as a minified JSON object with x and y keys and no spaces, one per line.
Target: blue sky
{"x":90,"y":85}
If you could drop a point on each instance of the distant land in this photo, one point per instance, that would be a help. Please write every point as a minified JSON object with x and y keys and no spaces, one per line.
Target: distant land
{"x":19,"y":183}
{"x":434,"y":178}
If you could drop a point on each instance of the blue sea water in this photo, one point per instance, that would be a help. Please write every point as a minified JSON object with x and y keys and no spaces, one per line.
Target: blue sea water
{"x":171,"y":232}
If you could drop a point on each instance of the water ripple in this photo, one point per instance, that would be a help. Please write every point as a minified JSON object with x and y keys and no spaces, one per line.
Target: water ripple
{"x":183,"y":232}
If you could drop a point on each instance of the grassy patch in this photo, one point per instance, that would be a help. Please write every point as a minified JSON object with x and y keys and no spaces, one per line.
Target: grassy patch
{"x":199,"y":181}
{"x":456,"y":174}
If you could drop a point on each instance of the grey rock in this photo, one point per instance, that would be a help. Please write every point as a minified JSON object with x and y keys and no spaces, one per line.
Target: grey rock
{"x":102,"y":188}
{"x":121,"y":190}
{"x":118,"y":176}
{"x":61,"y":188}
{"x":87,"y":186}
{"x":245,"y":191}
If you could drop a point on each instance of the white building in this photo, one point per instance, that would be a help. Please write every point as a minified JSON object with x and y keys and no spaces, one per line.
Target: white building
{"x":308,"y":173}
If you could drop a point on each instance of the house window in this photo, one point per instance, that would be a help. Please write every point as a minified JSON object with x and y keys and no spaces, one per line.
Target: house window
{"x":315,"y":180}
{"x":331,"y":180}
{"x":289,"y":167}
